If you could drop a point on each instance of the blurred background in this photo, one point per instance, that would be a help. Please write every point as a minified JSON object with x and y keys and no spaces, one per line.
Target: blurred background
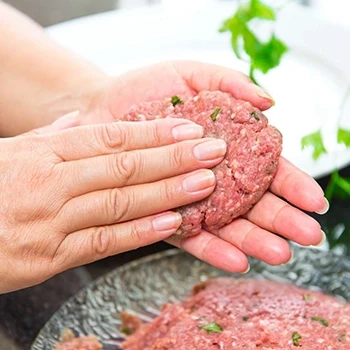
{"x":49,"y":12}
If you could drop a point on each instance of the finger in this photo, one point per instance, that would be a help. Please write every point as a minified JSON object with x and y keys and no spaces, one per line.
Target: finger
{"x":212,"y":250}
{"x":65,"y":122}
{"x":256,"y":242}
{"x":118,"y":205}
{"x":298,"y":188}
{"x":275,"y":215}
{"x":141,"y":166}
{"x":95,"y":140}
{"x":96,"y":243}
{"x":204,"y":76}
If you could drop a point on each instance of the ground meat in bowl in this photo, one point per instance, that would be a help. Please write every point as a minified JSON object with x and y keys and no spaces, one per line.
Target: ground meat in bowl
{"x":229,"y":313}
{"x":250,"y":164}
{"x":70,"y":342}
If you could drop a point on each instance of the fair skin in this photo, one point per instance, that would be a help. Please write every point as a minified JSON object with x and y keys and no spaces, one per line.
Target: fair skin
{"x":83,"y":188}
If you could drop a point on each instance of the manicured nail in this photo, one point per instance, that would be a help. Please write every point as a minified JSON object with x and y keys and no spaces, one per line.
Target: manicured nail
{"x":325,"y":208}
{"x":187,"y":132}
{"x":323,"y":240}
{"x":199,"y":181}
{"x":246,"y":271}
{"x":263,"y":94}
{"x":67,"y":118}
{"x":210,"y":150}
{"x":167,"y":222}
{"x":291,"y":257}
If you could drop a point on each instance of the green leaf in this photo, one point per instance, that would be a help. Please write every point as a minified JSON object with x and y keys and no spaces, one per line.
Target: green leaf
{"x":262,"y":11}
{"x":344,"y":137}
{"x":338,"y":186}
{"x":315,"y":141}
{"x":269,"y":55}
{"x":321,"y":320}
{"x":307,"y":297}
{"x":214,"y":115}
{"x":296,"y":337}
{"x":176,"y":100}
{"x":127,"y":331}
{"x":262,"y":56}
{"x":211,"y":327}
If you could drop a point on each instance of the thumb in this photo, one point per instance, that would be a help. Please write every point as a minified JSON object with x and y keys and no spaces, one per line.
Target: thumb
{"x":67,"y":121}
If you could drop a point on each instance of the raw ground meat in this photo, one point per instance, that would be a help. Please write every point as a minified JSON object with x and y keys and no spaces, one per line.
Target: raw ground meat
{"x":229,"y":313}
{"x":70,"y":342}
{"x":250,"y":164}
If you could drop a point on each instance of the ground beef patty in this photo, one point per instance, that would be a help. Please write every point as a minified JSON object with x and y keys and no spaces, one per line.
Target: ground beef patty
{"x":231,"y":314}
{"x":253,"y":150}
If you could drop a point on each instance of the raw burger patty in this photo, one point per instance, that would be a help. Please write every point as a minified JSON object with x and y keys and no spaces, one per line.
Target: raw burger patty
{"x":231,"y":314}
{"x":253,"y":150}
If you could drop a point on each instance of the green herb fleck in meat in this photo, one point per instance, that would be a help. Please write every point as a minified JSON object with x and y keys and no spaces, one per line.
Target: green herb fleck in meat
{"x":321,"y":320}
{"x":245,"y":318}
{"x":341,"y":337}
{"x":296,"y":337}
{"x":127,"y":331}
{"x":255,"y":115}
{"x":211,"y":327}
{"x":175,"y":100}
{"x":215,"y":114}
{"x":307,"y":297}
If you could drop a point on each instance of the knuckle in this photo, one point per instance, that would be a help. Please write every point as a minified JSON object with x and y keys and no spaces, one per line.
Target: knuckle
{"x":156,"y":131}
{"x":177,"y":156}
{"x":120,"y":203}
{"x":100,"y":241}
{"x":113,"y":136}
{"x":136,"y":235}
{"x":126,"y":167}
{"x":169,"y":194}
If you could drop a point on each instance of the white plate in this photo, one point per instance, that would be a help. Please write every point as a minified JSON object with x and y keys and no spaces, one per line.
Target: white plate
{"x":308,"y":86}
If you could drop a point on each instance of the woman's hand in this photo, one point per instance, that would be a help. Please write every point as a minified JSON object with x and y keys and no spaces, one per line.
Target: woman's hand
{"x":74,"y":196}
{"x":255,"y":234}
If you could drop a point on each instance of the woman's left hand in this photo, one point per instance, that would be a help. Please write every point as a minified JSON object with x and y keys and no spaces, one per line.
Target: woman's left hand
{"x":278,"y":213}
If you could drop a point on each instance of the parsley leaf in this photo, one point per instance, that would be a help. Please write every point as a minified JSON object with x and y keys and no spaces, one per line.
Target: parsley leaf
{"x":338,"y":186}
{"x":176,"y":100}
{"x":215,"y":114}
{"x":263,"y":56}
{"x":344,"y":137}
{"x":211,"y":327}
{"x":296,"y":337}
{"x":315,"y":141}
{"x":321,"y":320}
{"x":127,"y":331}
{"x":307,"y":297}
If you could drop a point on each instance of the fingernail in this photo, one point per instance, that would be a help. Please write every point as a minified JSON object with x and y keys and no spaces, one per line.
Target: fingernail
{"x":62,"y":121}
{"x":187,"y":132}
{"x":210,"y":150}
{"x":167,"y":222}
{"x":291,"y":257}
{"x":325,"y":208}
{"x":199,"y":181}
{"x":246,"y":271}
{"x":263,"y":94}
{"x":323,"y":240}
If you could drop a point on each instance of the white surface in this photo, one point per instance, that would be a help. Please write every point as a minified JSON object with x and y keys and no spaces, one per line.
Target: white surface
{"x":308,"y":86}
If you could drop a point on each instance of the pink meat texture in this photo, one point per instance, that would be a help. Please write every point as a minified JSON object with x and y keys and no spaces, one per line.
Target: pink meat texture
{"x":250,"y":164}
{"x":229,"y":313}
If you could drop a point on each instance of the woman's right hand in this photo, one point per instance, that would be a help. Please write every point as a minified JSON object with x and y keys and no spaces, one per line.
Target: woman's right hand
{"x":78,"y":195}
